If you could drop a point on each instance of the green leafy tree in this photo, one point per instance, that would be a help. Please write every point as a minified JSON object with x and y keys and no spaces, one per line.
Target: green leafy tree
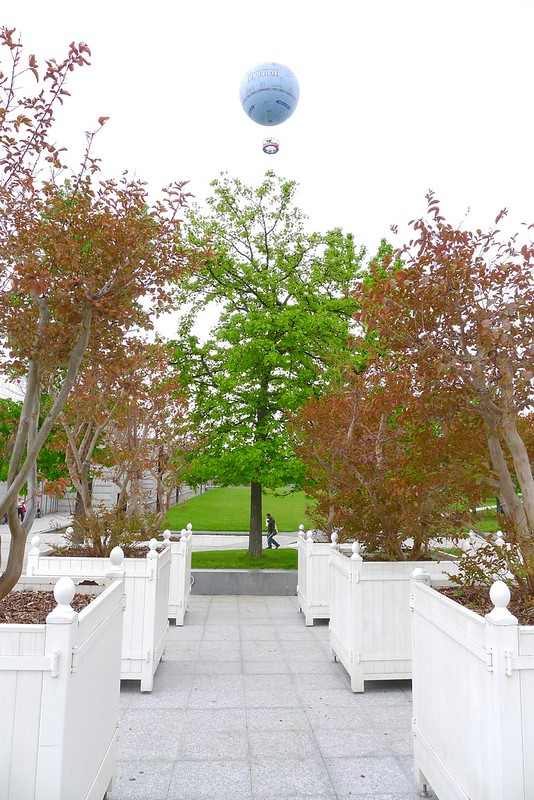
{"x":285,"y":325}
{"x":51,"y":467}
{"x":9,"y":420}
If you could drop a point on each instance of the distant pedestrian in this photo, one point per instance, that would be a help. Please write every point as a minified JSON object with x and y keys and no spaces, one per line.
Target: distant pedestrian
{"x":22,"y":512}
{"x":38,"y":512}
{"x":271,"y":530}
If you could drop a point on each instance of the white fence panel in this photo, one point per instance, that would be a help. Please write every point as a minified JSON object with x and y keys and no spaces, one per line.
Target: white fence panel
{"x":180,"y":575}
{"x":370,"y":625}
{"x":60,"y":686}
{"x":473,"y":700}
{"x":21,"y":693}
{"x":146,"y":582}
{"x":313,"y":589}
{"x":526,"y":678}
{"x":440,"y":631}
{"x":161,"y":613}
{"x":341,"y":608}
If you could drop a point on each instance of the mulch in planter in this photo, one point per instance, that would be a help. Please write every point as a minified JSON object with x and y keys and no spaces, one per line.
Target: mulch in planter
{"x":384,"y":558}
{"x":320,"y":537}
{"x":86,"y":551}
{"x":477,"y":599}
{"x":32,"y":608}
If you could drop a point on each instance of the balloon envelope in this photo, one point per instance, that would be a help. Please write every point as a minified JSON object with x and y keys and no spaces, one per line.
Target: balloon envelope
{"x":269,"y":93}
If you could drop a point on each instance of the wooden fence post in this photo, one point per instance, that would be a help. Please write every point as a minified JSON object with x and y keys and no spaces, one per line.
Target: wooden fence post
{"x":61,"y":628}
{"x":356,"y":604}
{"x":32,"y":564}
{"x":418,"y":661}
{"x":506,"y":742}
{"x":117,"y":564}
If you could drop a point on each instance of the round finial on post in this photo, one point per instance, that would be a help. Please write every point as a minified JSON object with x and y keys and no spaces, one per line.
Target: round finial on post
{"x":63,"y":613}
{"x":64,"y":591}
{"x":152,"y":553}
{"x":419,"y":574}
{"x":500,"y":594}
{"x":334,"y":539}
{"x":418,"y":571}
{"x":301,"y":530}
{"x":116,"y":557}
{"x":309,"y":536}
{"x":189,"y":527}
{"x":500,"y":597}
{"x":356,"y":550}
{"x":167,"y":535}
{"x":183,"y":532}
{"x":36,"y":546}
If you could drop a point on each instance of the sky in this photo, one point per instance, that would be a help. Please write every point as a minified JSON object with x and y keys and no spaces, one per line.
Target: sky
{"x":396,"y":97}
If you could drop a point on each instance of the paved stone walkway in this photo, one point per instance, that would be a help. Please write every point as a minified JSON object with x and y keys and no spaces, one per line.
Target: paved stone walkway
{"x":247,"y":705}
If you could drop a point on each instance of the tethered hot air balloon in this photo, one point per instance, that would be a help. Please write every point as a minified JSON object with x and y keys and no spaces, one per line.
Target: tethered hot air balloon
{"x":269,"y":94}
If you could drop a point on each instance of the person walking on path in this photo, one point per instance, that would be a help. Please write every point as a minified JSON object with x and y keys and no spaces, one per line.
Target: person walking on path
{"x":271,"y":530}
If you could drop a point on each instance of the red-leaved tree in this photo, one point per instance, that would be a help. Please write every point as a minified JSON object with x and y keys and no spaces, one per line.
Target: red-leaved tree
{"x":384,"y":465}
{"x":79,"y":256}
{"x":458,"y":306}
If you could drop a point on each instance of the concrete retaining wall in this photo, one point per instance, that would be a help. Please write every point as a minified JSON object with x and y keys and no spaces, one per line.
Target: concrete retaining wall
{"x":245,"y":581}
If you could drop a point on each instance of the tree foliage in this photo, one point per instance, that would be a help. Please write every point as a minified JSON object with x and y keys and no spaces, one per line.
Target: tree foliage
{"x":51,"y":468}
{"x":285,"y":324}
{"x":460,"y":309}
{"x":123,"y":422}
{"x":78,"y":254}
{"x":386,"y":465}
{"x":9,"y":419}
{"x":147,"y":436}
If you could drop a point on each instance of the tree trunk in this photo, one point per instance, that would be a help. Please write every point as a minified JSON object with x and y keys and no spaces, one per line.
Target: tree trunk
{"x":256,"y":522}
{"x":79,"y":510}
{"x":514,"y":508}
{"x":522,"y":468}
{"x":19,"y":469}
{"x":330,"y":520}
{"x":135,"y":496}
{"x":83,"y":506}
{"x":15,"y":559}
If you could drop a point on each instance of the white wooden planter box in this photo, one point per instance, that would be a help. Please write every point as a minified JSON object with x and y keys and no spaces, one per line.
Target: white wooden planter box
{"x":473,"y":698}
{"x":370,"y":621}
{"x":180,"y":574}
{"x":313,"y":587}
{"x":59,"y":693}
{"x":146,"y":586}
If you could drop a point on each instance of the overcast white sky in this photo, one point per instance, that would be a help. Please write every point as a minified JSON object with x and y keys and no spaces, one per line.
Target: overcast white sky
{"x":396,"y":97}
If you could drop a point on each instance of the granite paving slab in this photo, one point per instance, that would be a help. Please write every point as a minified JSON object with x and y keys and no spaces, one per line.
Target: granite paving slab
{"x":248,"y":705}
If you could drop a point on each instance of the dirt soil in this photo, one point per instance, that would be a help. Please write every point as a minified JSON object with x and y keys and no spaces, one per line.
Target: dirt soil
{"x":32,"y":608}
{"x":478,"y":600}
{"x":85,"y":551}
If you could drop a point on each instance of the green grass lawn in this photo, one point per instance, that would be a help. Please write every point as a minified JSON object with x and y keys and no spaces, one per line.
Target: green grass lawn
{"x":284,"y":558}
{"x":228,"y":509}
{"x":488,"y":521}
